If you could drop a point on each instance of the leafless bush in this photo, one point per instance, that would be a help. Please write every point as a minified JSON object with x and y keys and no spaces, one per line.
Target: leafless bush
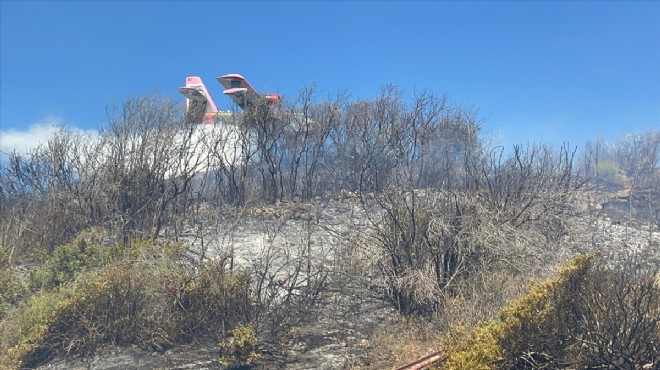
{"x":309,"y":152}
{"x":505,"y":214}
{"x":40,"y":206}
{"x":147,"y":163}
{"x":430,"y":244}
{"x":127,"y":178}
{"x":213,"y":301}
{"x":639,"y":156}
{"x":530,"y":186}
{"x":619,"y":321}
{"x":291,"y":275}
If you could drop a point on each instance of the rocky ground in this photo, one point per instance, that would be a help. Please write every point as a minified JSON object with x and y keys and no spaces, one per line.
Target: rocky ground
{"x":613,"y":223}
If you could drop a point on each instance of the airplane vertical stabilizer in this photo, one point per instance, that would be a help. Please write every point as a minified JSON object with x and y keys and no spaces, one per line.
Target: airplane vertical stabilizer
{"x":199,"y":103}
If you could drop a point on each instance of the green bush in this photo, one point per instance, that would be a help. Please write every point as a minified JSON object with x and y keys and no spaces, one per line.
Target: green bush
{"x":118,"y":305}
{"x":241,"y":346}
{"x":24,"y":329}
{"x":144,"y":298}
{"x":11,"y":289}
{"x":87,"y":252}
{"x":80,"y":255}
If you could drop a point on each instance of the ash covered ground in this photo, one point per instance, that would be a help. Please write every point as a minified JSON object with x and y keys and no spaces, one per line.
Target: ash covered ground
{"x":337,"y":234}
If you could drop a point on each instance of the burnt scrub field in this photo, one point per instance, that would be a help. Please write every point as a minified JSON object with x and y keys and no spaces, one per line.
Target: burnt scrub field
{"x":327,"y":234}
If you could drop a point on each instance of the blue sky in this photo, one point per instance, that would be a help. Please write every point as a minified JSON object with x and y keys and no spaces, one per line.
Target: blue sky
{"x":536,"y":71}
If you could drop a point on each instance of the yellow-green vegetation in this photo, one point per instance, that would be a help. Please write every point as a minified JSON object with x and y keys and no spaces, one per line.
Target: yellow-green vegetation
{"x":121,"y":303}
{"x":240,"y":346}
{"x":24,"y":330}
{"x":146,"y":294}
{"x":10,"y":291}
{"x":67,"y":261}
{"x":532,"y":324}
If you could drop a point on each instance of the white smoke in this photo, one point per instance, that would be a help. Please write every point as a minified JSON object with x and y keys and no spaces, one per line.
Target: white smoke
{"x":24,"y":140}
{"x":207,"y":147}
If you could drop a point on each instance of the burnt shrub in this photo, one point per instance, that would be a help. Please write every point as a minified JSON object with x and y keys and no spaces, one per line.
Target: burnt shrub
{"x":591,"y":316}
{"x":214,"y":301}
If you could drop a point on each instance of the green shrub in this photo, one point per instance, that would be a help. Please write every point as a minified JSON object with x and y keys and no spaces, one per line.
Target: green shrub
{"x":87,"y":252}
{"x":241,"y":346}
{"x":89,"y":295}
{"x":144,"y":298}
{"x":121,"y":304}
{"x":24,"y":330}
{"x":85,"y":301}
{"x":11,"y":289}
{"x":80,"y":255}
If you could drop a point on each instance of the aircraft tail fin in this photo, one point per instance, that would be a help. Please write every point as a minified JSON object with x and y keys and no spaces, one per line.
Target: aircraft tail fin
{"x":198,"y":99}
{"x":199,"y":104}
{"x":241,"y":92}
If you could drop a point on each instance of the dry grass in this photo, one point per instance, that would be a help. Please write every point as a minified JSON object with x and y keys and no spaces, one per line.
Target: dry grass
{"x":402,"y":341}
{"x":481,"y":298}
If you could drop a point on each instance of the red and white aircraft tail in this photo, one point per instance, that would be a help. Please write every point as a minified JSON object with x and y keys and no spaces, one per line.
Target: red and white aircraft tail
{"x":199,"y":104}
{"x":242,"y":93}
{"x":200,"y":108}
